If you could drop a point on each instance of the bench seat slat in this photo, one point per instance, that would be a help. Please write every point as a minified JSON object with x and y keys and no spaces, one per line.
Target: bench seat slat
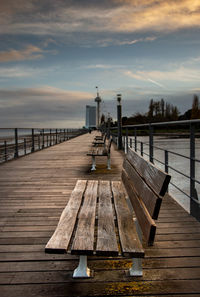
{"x":147,"y":224}
{"x":100,"y":151}
{"x":156,"y":178}
{"x":150,"y":199}
{"x":59,"y":241}
{"x":130,"y":243}
{"x":83,"y":242}
{"x":106,"y":239}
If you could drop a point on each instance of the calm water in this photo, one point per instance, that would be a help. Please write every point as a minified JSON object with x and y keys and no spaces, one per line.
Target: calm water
{"x":181,"y":146}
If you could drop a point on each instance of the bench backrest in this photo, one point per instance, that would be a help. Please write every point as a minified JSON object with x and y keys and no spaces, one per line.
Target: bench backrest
{"x":146,"y":185}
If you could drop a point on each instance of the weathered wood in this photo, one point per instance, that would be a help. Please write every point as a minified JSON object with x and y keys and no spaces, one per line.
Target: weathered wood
{"x":62,"y":235}
{"x":106,"y":237}
{"x":150,"y":199}
{"x":128,"y":288}
{"x":146,"y":222}
{"x":65,"y":163}
{"x":150,"y":173}
{"x":130,"y":243}
{"x":83,"y":242}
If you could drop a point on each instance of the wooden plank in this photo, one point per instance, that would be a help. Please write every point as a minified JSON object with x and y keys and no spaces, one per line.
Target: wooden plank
{"x":59,"y":241}
{"x":123,"y":288}
{"x":106,"y":236}
{"x":154,"y":176}
{"x":147,"y":224}
{"x":83,"y":242}
{"x":130,"y":243}
{"x":101,"y":276}
{"x":151,"y":200}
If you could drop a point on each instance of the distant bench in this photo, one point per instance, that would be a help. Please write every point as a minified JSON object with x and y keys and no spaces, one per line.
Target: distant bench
{"x":98,"y":221}
{"x":101,"y":152}
{"x":100,"y":141}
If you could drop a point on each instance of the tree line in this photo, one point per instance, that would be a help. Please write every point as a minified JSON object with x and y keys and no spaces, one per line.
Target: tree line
{"x":161,"y":111}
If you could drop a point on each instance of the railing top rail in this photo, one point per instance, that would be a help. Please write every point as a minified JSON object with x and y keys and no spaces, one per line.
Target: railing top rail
{"x":185,"y":122}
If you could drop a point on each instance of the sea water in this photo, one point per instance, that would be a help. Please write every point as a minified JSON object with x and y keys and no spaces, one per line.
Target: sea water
{"x":180,"y":146}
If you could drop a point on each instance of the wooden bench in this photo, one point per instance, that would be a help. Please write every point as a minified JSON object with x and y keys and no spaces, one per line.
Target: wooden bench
{"x":98,"y":221}
{"x":99,"y":137}
{"x":100,"y":152}
{"x":100,"y":142}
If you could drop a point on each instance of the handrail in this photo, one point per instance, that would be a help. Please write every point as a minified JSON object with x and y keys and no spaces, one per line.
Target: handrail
{"x":17,"y":142}
{"x":191,"y":128}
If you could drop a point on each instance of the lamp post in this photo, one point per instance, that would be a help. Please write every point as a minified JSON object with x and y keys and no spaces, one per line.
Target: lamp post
{"x":119,"y":121}
{"x":108,"y":133}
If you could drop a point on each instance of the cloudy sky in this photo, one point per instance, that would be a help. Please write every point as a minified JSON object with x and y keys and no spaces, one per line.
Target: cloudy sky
{"x":54,"y":53}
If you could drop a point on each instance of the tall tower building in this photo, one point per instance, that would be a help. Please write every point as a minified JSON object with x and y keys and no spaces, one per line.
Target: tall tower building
{"x":90,"y":116}
{"x":98,"y":101}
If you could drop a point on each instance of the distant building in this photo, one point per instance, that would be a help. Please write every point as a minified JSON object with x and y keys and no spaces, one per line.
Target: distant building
{"x":90,"y":116}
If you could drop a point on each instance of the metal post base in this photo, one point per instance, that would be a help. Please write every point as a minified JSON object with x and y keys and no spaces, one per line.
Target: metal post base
{"x":82,"y":270}
{"x":136,"y":269}
{"x":108,"y":163}
{"x":93,"y":163}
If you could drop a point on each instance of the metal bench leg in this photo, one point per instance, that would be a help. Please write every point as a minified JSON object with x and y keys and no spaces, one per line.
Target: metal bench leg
{"x":82,"y":270}
{"x":108,"y":163}
{"x":136,"y":269}
{"x":93,"y":163}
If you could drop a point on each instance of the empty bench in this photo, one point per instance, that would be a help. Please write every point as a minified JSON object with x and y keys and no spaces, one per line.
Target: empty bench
{"x":100,"y":142}
{"x":100,"y":152}
{"x":98,"y":221}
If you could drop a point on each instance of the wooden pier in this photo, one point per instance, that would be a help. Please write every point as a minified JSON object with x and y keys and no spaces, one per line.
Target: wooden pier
{"x":33,"y":192}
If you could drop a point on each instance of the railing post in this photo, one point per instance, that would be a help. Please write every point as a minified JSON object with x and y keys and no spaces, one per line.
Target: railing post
{"x":194,"y":207}
{"x":127,"y":140}
{"x":5,"y":151}
{"x":141,"y":149}
{"x":43,"y":138}
{"x":24,"y":146}
{"x":16,"y":155}
{"x":166,"y":163}
{"x":119,"y":122}
{"x":150,"y":143}
{"x":56,"y":136}
{"x":33,"y":142}
{"x":50,"y":138}
{"x":39,"y":141}
{"x":60,"y":140}
{"x":135,"y":135}
{"x":131,"y":142}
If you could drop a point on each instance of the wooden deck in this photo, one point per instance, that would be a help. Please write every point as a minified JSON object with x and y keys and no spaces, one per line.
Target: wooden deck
{"x":33,"y":191}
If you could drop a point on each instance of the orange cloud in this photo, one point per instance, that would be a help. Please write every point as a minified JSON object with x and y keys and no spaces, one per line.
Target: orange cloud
{"x":29,"y":53}
{"x":157,"y":15}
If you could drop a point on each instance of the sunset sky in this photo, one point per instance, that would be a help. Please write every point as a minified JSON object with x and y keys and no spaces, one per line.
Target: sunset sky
{"x":54,"y":52}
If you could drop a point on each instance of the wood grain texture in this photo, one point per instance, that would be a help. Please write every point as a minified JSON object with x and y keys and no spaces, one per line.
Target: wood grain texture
{"x":83,"y":242}
{"x":62,"y":235}
{"x":130,"y":243}
{"x":155,"y":177}
{"x":26,"y":271}
{"x":147,"y":224}
{"x":106,"y":237}
{"x":150,"y":199}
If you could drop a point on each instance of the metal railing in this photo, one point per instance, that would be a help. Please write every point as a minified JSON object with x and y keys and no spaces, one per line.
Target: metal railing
{"x":189,"y":130}
{"x":16,"y":142}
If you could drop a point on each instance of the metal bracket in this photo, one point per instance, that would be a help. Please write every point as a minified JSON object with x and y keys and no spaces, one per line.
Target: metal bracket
{"x":82,"y":271}
{"x":108,"y":163}
{"x":93,"y":163}
{"x":136,"y":269}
